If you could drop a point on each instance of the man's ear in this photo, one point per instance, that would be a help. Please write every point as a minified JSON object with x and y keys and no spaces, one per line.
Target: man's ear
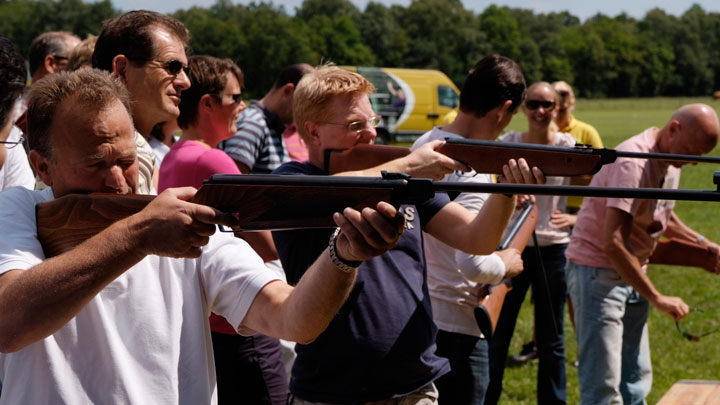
{"x":674,"y":127}
{"x":504,"y":110}
{"x":120,"y":64}
{"x":311,"y":129}
{"x":42,"y":166}
{"x":288,"y":90}
{"x":49,"y":63}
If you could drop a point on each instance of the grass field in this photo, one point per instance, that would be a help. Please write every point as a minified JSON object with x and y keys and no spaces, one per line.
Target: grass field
{"x":673,"y":357}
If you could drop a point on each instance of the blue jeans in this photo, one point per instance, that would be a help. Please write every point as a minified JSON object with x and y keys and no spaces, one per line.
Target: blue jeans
{"x":611,"y":329}
{"x":549,"y":316}
{"x":468,"y":379}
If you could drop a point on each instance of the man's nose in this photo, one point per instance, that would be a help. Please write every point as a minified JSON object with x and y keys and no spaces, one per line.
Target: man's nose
{"x":115,"y":178}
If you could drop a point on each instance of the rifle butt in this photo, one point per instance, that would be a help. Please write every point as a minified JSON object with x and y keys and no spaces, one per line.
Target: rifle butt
{"x":361,"y":157}
{"x":487,"y":312}
{"x":69,"y":220}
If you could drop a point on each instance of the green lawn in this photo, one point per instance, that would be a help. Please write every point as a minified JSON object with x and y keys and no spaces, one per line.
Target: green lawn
{"x":673,"y":357}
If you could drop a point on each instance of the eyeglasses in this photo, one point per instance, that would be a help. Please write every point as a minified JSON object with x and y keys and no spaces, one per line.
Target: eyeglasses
{"x":358,"y":126}
{"x":696,"y":324}
{"x":563,"y":93}
{"x":58,"y":57}
{"x":12,"y":144}
{"x":535,"y":104}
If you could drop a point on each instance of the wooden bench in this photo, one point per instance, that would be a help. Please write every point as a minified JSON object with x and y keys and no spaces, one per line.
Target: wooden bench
{"x":692,"y":392}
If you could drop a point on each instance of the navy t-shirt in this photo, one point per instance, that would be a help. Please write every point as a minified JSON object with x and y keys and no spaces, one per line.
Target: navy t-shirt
{"x":381,"y":344}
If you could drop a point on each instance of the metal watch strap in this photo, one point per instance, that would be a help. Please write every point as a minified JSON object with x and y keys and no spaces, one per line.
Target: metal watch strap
{"x":342,"y":264}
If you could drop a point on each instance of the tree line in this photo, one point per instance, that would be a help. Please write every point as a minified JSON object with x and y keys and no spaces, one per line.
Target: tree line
{"x":603,"y":56}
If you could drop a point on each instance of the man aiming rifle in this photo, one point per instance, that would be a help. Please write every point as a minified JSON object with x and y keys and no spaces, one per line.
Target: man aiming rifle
{"x":122,"y":318}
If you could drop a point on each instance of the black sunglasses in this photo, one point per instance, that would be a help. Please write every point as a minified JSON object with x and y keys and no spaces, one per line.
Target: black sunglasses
{"x":175,"y":66}
{"x":535,"y":104}
{"x":235,"y":97}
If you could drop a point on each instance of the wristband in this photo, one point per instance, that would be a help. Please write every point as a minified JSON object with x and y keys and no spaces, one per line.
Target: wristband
{"x":346,"y":266}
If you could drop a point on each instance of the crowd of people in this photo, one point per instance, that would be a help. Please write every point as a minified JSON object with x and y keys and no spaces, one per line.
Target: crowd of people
{"x":159,"y":308}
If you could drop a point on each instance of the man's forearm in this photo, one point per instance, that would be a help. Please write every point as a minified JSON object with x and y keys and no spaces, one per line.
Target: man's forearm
{"x":45,"y":297}
{"x":300,"y":314}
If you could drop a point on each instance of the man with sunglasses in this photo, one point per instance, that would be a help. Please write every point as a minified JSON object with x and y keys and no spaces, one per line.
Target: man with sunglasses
{"x":49,"y":53}
{"x":608,"y":254}
{"x":381,"y":344}
{"x":146,"y":51}
{"x":258,"y":146}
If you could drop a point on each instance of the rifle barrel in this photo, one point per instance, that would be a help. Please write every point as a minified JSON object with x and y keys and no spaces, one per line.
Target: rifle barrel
{"x":580,"y":191}
{"x":669,"y":157}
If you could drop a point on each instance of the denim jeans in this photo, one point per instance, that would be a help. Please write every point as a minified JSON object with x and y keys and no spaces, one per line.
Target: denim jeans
{"x":549,"y":316}
{"x":611,"y":329}
{"x":468,"y":379}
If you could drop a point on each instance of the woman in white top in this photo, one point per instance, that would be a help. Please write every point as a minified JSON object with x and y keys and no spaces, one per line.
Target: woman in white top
{"x":544,"y":265}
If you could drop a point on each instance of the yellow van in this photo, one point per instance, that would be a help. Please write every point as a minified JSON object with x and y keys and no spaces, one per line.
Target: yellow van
{"x":410,"y":101}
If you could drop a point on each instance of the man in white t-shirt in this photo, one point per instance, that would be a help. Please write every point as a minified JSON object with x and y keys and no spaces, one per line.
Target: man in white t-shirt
{"x":491,"y":94}
{"x":117,"y":319}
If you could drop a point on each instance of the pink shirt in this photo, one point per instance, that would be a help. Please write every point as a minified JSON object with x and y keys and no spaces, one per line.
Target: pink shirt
{"x":650,"y":217}
{"x":188,"y":163}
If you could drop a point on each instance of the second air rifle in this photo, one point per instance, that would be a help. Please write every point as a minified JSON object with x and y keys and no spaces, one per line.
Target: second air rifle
{"x":490,"y":156}
{"x":273,"y":202}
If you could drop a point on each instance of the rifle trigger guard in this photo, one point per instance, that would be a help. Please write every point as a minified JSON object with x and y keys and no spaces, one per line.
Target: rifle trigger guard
{"x":394,"y":175}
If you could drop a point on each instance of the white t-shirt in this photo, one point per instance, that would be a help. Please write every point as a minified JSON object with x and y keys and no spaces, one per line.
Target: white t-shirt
{"x":453,"y":275}
{"x":16,"y":171}
{"x":547,"y":233}
{"x":145,"y":338}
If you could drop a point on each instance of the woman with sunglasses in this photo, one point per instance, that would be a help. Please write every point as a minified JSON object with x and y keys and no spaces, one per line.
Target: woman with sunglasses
{"x":544,"y":262}
{"x":249,"y":369}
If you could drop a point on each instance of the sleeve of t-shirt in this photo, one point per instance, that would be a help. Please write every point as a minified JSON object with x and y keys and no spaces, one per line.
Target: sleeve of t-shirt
{"x":625,"y":173}
{"x":592,"y":137}
{"x":19,"y":246}
{"x":233,"y":274}
{"x":16,"y":170}
{"x":246,"y":144}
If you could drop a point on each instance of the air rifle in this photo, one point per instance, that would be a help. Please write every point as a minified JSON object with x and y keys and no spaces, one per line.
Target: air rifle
{"x":272,"y":202}
{"x":491,"y":298}
{"x":490,"y":156}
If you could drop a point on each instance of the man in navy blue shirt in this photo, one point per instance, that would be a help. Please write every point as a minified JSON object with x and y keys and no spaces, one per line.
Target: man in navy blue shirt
{"x":381,"y":345}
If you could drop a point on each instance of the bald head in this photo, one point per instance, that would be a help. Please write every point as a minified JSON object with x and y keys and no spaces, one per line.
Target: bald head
{"x":697,"y":124}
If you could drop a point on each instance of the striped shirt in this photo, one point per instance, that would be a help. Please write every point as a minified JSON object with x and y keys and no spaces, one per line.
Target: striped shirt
{"x":258,"y":142}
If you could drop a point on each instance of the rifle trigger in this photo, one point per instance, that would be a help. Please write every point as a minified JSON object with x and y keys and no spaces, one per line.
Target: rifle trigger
{"x":394,"y":175}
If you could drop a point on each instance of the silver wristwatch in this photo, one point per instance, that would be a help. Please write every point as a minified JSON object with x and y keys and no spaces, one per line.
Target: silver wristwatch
{"x":342,"y":264}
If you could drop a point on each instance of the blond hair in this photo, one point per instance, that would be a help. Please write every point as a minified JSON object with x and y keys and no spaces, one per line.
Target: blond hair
{"x":316,"y":90}
{"x":562,"y":86}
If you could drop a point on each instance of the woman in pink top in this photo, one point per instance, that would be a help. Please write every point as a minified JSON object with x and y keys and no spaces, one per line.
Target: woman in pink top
{"x":249,"y":369}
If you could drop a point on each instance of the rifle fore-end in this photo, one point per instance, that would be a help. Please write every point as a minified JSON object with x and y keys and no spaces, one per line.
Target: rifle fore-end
{"x":68,"y":221}
{"x":481,"y":156}
{"x":490,"y":305}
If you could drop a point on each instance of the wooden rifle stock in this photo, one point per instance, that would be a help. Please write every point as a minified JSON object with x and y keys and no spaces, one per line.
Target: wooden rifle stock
{"x":261,"y":202}
{"x":491,"y":298}
{"x":684,"y":253}
{"x":490,"y":156}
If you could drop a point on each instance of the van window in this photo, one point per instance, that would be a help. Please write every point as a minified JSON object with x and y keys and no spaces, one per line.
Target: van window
{"x":447,"y":97}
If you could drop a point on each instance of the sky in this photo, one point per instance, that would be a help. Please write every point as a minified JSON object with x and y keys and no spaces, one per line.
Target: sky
{"x":581,"y":9}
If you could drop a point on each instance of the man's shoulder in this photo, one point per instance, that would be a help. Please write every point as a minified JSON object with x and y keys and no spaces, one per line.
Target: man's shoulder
{"x":431,"y":135}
